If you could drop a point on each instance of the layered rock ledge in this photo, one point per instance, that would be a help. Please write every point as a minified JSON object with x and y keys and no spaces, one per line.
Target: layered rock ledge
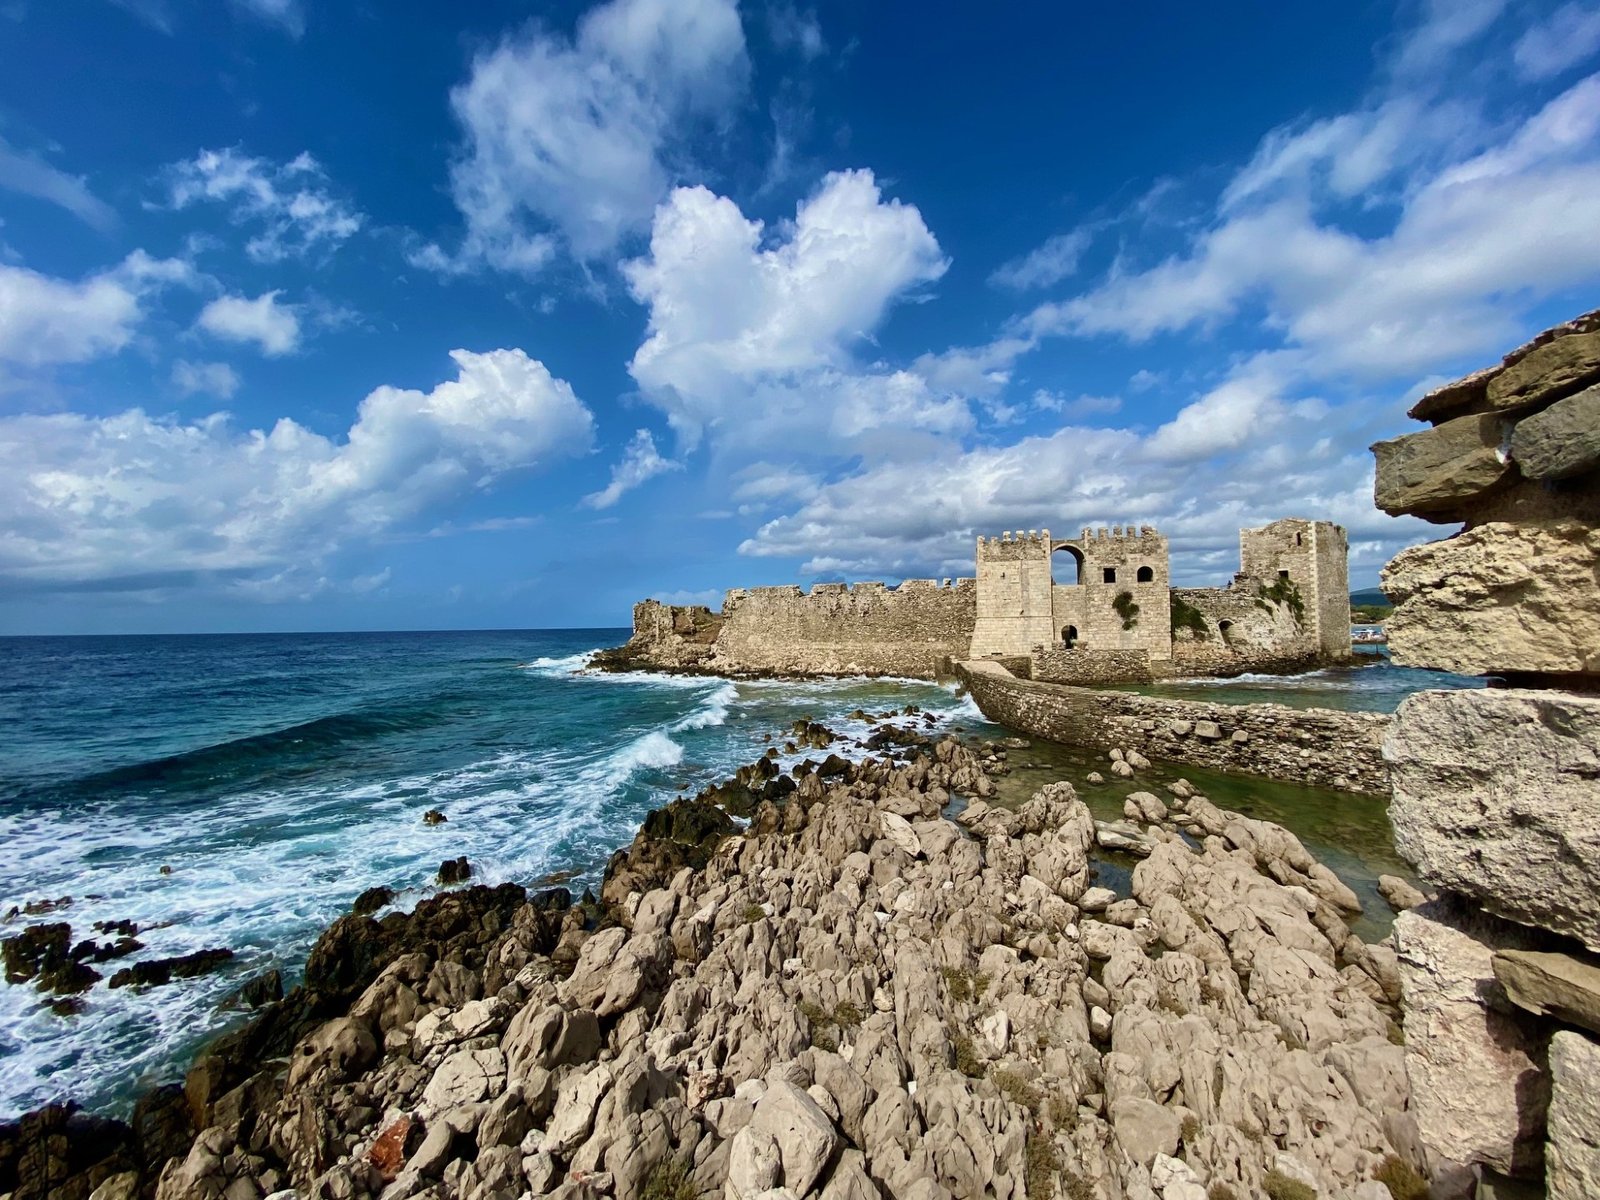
{"x":855,"y":996}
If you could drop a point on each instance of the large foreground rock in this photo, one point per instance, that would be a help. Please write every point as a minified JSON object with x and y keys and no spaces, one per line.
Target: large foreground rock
{"x":1500,"y":597}
{"x":1478,"y":1091}
{"x":1435,"y":470}
{"x":1494,"y":798}
{"x":1573,"y":1168}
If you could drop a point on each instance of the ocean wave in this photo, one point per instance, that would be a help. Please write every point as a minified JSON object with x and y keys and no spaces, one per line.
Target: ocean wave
{"x":714,"y":710}
{"x":251,"y":752}
{"x":565,"y":665}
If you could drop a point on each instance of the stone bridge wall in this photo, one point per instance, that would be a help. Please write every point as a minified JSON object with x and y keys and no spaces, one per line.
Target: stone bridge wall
{"x":1311,"y":746}
{"x":1081,"y":666}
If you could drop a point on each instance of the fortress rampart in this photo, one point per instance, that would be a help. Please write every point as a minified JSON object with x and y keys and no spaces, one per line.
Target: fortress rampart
{"x":1112,"y":616}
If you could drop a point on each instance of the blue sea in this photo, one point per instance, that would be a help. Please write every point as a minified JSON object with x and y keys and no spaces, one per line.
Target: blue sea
{"x":280,"y":775}
{"x":277,"y":776}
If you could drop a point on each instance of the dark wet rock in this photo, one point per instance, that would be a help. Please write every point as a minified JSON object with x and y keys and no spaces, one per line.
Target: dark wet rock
{"x":34,"y":950}
{"x":159,"y":971}
{"x":434,"y":817}
{"x":163,"y":1126}
{"x":833,"y":766}
{"x":38,"y":908}
{"x":887,"y":736}
{"x":90,"y":950}
{"x":371,"y":900}
{"x":816,"y":736}
{"x":258,"y":991}
{"x":121,"y":929}
{"x":60,"y":1153}
{"x":682,"y":834}
{"x":455,"y":870}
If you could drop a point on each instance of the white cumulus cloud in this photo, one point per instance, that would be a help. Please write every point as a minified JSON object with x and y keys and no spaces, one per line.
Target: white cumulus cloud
{"x":45,"y":320}
{"x":205,"y":378}
{"x":136,"y":501}
{"x":292,"y":205}
{"x":752,"y":335}
{"x":273,"y":327}
{"x":640,"y":461}
{"x":569,"y":139}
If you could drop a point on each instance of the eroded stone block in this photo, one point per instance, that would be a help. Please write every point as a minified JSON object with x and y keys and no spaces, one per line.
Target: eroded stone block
{"x":1495,"y":799}
{"x":1478,"y":1089}
{"x":1555,"y":369}
{"x":1562,"y":441}
{"x":1437,"y":469}
{"x":1554,"y":985}
{"x":1499,"y":597}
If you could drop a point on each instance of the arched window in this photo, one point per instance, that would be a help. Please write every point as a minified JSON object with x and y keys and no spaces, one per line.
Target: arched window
{"x":1109,"y":574}
{"x":1076,"y":556}
{"x":1146,"y":575}
{"x":1069,"y":636}
{"x":1225,"y":628}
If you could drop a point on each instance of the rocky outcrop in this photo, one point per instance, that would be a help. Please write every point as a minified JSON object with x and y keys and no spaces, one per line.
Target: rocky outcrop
{"x":1503,"y":596}
{"x":1517,"y":829}
{"x":1496,"y":792}
{"x":853,"y":997}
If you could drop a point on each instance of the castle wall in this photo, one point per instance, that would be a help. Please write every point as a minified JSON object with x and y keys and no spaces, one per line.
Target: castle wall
{"x":1058,"y":665}
{"x":1112,"y":562}
{"x":1314,"y":746}
{"x":1314,"y":556}
{"x":867,"y":629}
{"x":1242,"y":633}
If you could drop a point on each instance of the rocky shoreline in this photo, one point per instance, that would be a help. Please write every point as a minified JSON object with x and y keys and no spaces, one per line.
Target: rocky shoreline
{"x":878,"y":985}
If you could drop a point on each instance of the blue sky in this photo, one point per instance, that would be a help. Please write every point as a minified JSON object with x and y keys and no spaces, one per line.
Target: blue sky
{"x":338,"y":314}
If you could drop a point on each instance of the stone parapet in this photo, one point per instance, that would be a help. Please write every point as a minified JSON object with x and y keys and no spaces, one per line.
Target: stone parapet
{"x":1314,"y":746}
{"x":1090,"y":666}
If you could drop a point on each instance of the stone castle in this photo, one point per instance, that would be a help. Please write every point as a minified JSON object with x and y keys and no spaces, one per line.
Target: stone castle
{"x":1119,"y":620}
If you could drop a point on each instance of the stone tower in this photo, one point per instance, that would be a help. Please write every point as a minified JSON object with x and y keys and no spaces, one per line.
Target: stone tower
{"x":1312,"y":559}
{"x":1021,"y":606}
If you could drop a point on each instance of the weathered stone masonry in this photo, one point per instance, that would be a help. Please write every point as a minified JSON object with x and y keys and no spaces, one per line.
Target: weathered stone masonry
{"x":1286,"y":609}
{"x":1314,"y":746}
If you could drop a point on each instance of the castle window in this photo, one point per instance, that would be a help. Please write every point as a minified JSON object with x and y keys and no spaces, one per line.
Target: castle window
{"x":1283,"y":574}
{"x":1109,"y":574}
{"x":1069,"y":635}
{"x":1146,"y":575}
{"x":1299,"y":539}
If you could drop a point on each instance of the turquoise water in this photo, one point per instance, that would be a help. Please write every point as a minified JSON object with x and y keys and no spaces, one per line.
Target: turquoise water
{"x":280,"y":775}
{"x":1372,"y":684}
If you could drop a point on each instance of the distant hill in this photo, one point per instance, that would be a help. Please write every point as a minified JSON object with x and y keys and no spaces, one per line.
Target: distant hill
{"x":1368,"y":596}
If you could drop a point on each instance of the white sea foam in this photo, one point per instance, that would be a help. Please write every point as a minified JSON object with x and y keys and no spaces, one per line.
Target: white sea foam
{"x":565,"y":665}
{"x":713,"y":711}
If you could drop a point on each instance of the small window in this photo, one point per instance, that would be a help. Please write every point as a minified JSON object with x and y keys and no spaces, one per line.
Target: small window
{"x":1069,"y":635}
{"x":1299,"y":539}
{"x":1283,"y":574}
{"x":1109,"y":574}
{"x":1146,"y":575}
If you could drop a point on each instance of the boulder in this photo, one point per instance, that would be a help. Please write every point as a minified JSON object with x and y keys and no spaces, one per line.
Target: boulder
{"x":1144,"y":1129}
{"x":1572,"y":1164}
{"x":1562,"y":441}
{"x":1478,"y":1091}
{"x":1554,"y":985}
{"x":1434,"y":471}
{"x":1515,"y":827}
{"x":804,"y":1136}
{"x":1399,"y":894}
{"x":1499,"y":597}
{"x":1470,"y":394}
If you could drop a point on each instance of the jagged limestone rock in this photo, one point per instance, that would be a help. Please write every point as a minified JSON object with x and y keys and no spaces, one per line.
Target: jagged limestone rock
{"x":1500,"y":597}
{"x":1436,"y":470}
{"x":1494,"y":798}
{"x":1478,"y":1088}
{"x":1573,"y":1160}
{"x":1562,"y":441}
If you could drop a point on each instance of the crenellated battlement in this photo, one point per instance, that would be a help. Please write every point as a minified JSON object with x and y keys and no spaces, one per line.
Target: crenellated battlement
{"x":1121,"y":533}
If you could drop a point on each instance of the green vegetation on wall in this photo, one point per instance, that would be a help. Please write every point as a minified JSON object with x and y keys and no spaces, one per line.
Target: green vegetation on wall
{"x":1126,"y":609}
{"x":1187,"y":616}
{"x":1286,"y":593}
